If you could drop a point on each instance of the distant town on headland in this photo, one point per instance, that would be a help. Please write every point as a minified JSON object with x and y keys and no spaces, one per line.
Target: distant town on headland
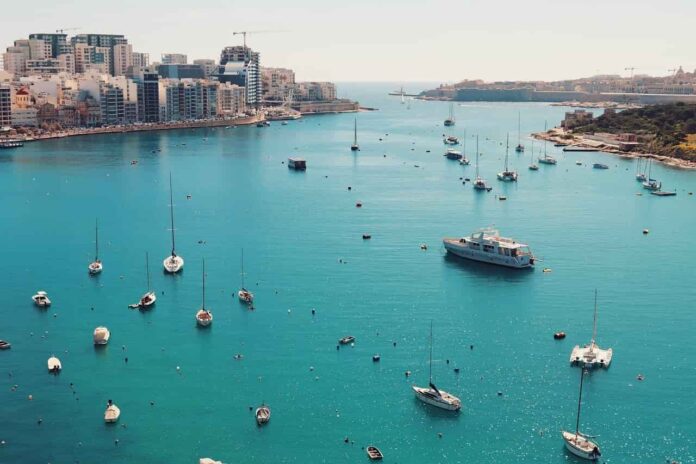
{"x":55,"y":85}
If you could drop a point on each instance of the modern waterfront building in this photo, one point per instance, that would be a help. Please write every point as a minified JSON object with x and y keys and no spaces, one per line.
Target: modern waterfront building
{"x":188,"y":100}
{"x":174,"y":58}
{"x":92,"y":57}
{"x":58,"y":43}
{"x":112,"y":105}
{"x":123,"y":59}
{"x":44,"y":67}
{"x":231,"y":100}
{"x":209,"y":67}
{"x":148,"y":96}
{"x":276,"y":83}
{"x":140,"y":60}
{"x":240,"y":65}
{"x":5,"y":106}
{"x":101,"y":41}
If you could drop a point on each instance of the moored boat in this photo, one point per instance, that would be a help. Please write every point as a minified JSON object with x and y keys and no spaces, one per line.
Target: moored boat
{"x":263,"y":415}
{"x":451,"y":140}
{"x":576,"y":442}
{"x":174,"y":263}
{"x":355,"y":146}
{"x":5,"y":345}
{"x":149,"y":298}
{"x":112,"y":413}
{"x":507,"y":175}
{"x":519,"y":148}
{"x":600,"y":166}
{"x":101,"y":336}
{"x":243,"y":294}
{"x":431,"y":394}
{"x":450,"y":120}
{"x":41,"y":299}
{"x":479,"y":183}
{"x":532,"y":166}
{"x":54,"y":365}
{"x":298,"y":164}
{"x":204,"y":317}
{"x":374,"y":453}
{"x":486,"y":245}
{"x":96,"y":266}
{"x":348,"y":339}
{"x":591,"y":355}
{"x":453,"y":154}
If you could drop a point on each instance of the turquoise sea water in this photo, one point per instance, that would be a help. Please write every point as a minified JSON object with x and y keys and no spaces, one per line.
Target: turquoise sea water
{"x":301,"y":235}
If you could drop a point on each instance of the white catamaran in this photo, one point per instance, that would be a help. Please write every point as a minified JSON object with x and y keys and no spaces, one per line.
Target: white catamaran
{"x":95,"y":267}
{"x":488,"y":246}
{"x":507,"y":175}
{"x":431,"y":394}
{"x":591,"y":355}
{"x":174,"y":263}
{"x":576,"y":442}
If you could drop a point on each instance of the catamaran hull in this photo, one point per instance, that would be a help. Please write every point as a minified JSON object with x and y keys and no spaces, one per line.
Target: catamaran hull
{"x":501,"y":260}
{"x":173,"y":264}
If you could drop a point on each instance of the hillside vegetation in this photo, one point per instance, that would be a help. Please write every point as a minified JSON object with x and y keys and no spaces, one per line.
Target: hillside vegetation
{"x":667,"y":130}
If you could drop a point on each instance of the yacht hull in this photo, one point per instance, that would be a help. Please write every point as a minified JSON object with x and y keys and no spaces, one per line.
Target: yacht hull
{"x":581,"y":446}
{"x":95,"y":268}
{"x":453,"y":246}
{"x":173,"y":264}
{"x":446,"y":405}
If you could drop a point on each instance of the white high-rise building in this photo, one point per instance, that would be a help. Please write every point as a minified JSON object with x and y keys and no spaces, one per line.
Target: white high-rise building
{"x":140,"y":60}
{"x":174,"y":58}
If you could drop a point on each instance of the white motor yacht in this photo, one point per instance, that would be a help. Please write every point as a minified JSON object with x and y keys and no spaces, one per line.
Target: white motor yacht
{"x":41,"y":299}
{"x":101,"y":336}
{"x":488,"y":246}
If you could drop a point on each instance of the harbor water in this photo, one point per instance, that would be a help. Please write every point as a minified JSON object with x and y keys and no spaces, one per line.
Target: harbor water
{"x":182,"y":393}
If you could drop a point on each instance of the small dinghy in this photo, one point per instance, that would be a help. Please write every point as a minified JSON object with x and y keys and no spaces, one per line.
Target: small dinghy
{"x":559,"y":335}
{"x":101,"y":336}
{"x":112,"y":413}
{"x":41,"y":299}
{"x":263,"y":415}
{"x":374,"y":453}
{"x":4,"y":345}
{"x":54,"y":365}
{"x":600,"y":166}
{"x":348,"y":339}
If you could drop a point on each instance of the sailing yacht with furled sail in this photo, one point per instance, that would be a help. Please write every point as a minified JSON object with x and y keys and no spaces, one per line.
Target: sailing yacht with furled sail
{"x":450,"y":120}
{"x":204,"y":317}
{"x":149,"y":298}
{"x":432,"y":395}
{"x":174,"y":263}
{"x":519,"y":148}
{"x":355,"y":146}
{"x":244,"y":295}
{"x":579,"y":444}
{"x":547,"y":159}
{"x":651,"y":184}
{"x":640,"y":174}
{"x":95,"y":267}
{"x":532,"y":165}
{"x":479,"y":183}
{"x":591,"y":354}
{"x":507,"y":175}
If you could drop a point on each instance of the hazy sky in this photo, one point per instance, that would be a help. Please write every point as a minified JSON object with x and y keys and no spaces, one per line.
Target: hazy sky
{"x":395,"y":40}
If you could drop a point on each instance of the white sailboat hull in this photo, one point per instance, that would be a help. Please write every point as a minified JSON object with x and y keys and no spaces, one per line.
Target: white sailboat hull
{"x":101,"y":336}
{"x":95,"y":267}
{"x":245,"y":296}
{"x":112,"y":414}
{"x":173,"y":264}
{"x":147,"y":300}
{"x":54,"y":364}
{"x":204,"y":318}
{"x":581,"y":446}
{"x":444,"y":401}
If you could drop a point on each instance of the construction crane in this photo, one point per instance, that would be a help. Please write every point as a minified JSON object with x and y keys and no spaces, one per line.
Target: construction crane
{"x":630,"y":69}
{"x":61,"y":31}
{"x":244,"y":34}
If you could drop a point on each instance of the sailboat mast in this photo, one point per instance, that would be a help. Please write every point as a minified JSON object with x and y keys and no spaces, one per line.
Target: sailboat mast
{"x":594,"y":323}
{"x":147,"y":270}
{"x":464,"y":142}
{"x":545,"y":129}
{"x":531,"y":157}
{"x":507,"y":151}
{"x":96,"y":240}
{"x":355,"y":132}
{"x":203,"y":283}
{"x":519,"y":132}
{"x":577,"y":421}
{"x":242,"y":267}
{"x":477,"y":157}
{"x":430,"y":363}
{"x":171,"y":209}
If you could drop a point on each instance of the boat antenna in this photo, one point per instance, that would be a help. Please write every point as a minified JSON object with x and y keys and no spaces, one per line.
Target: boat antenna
{"x":355,"y":131}
{"x":203,"y":284}
{"x":431,"y":353}
{"x":96,"y":239}
{"x":507,"y":150}
{"x":477,"y":157}
{"x":594,"y":322}
{"x":171,"y":209}
{"x":577,"y":421}
{"x":147,"y":270}
{"x":519,"y":132}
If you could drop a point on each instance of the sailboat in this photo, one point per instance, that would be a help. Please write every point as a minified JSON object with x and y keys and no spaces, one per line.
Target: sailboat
{"x":450,"y":120}
{"x":591,"y":355}
{"x":149,"y":298}
{"x":173,"y":263}
{"x":355,"y":146}
{"x":507,"y":175}
{"x":464,"y":161}
{"x":112,"y":413}
{"x":244,"y":295}
{"x":479,"y":184}
{"x":432,"y":395}
{"x":263,"y":415}
{"x":576,"y":442}
{"x":204,"y":317}
{"x":95,"y":267}
{"x":519,"y":148}
{"x":651,"y":184}
{"x":641,"y":176}
{"x":402,"y":95}
{"x":533,"y":166}
{"x":547,"y":159}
